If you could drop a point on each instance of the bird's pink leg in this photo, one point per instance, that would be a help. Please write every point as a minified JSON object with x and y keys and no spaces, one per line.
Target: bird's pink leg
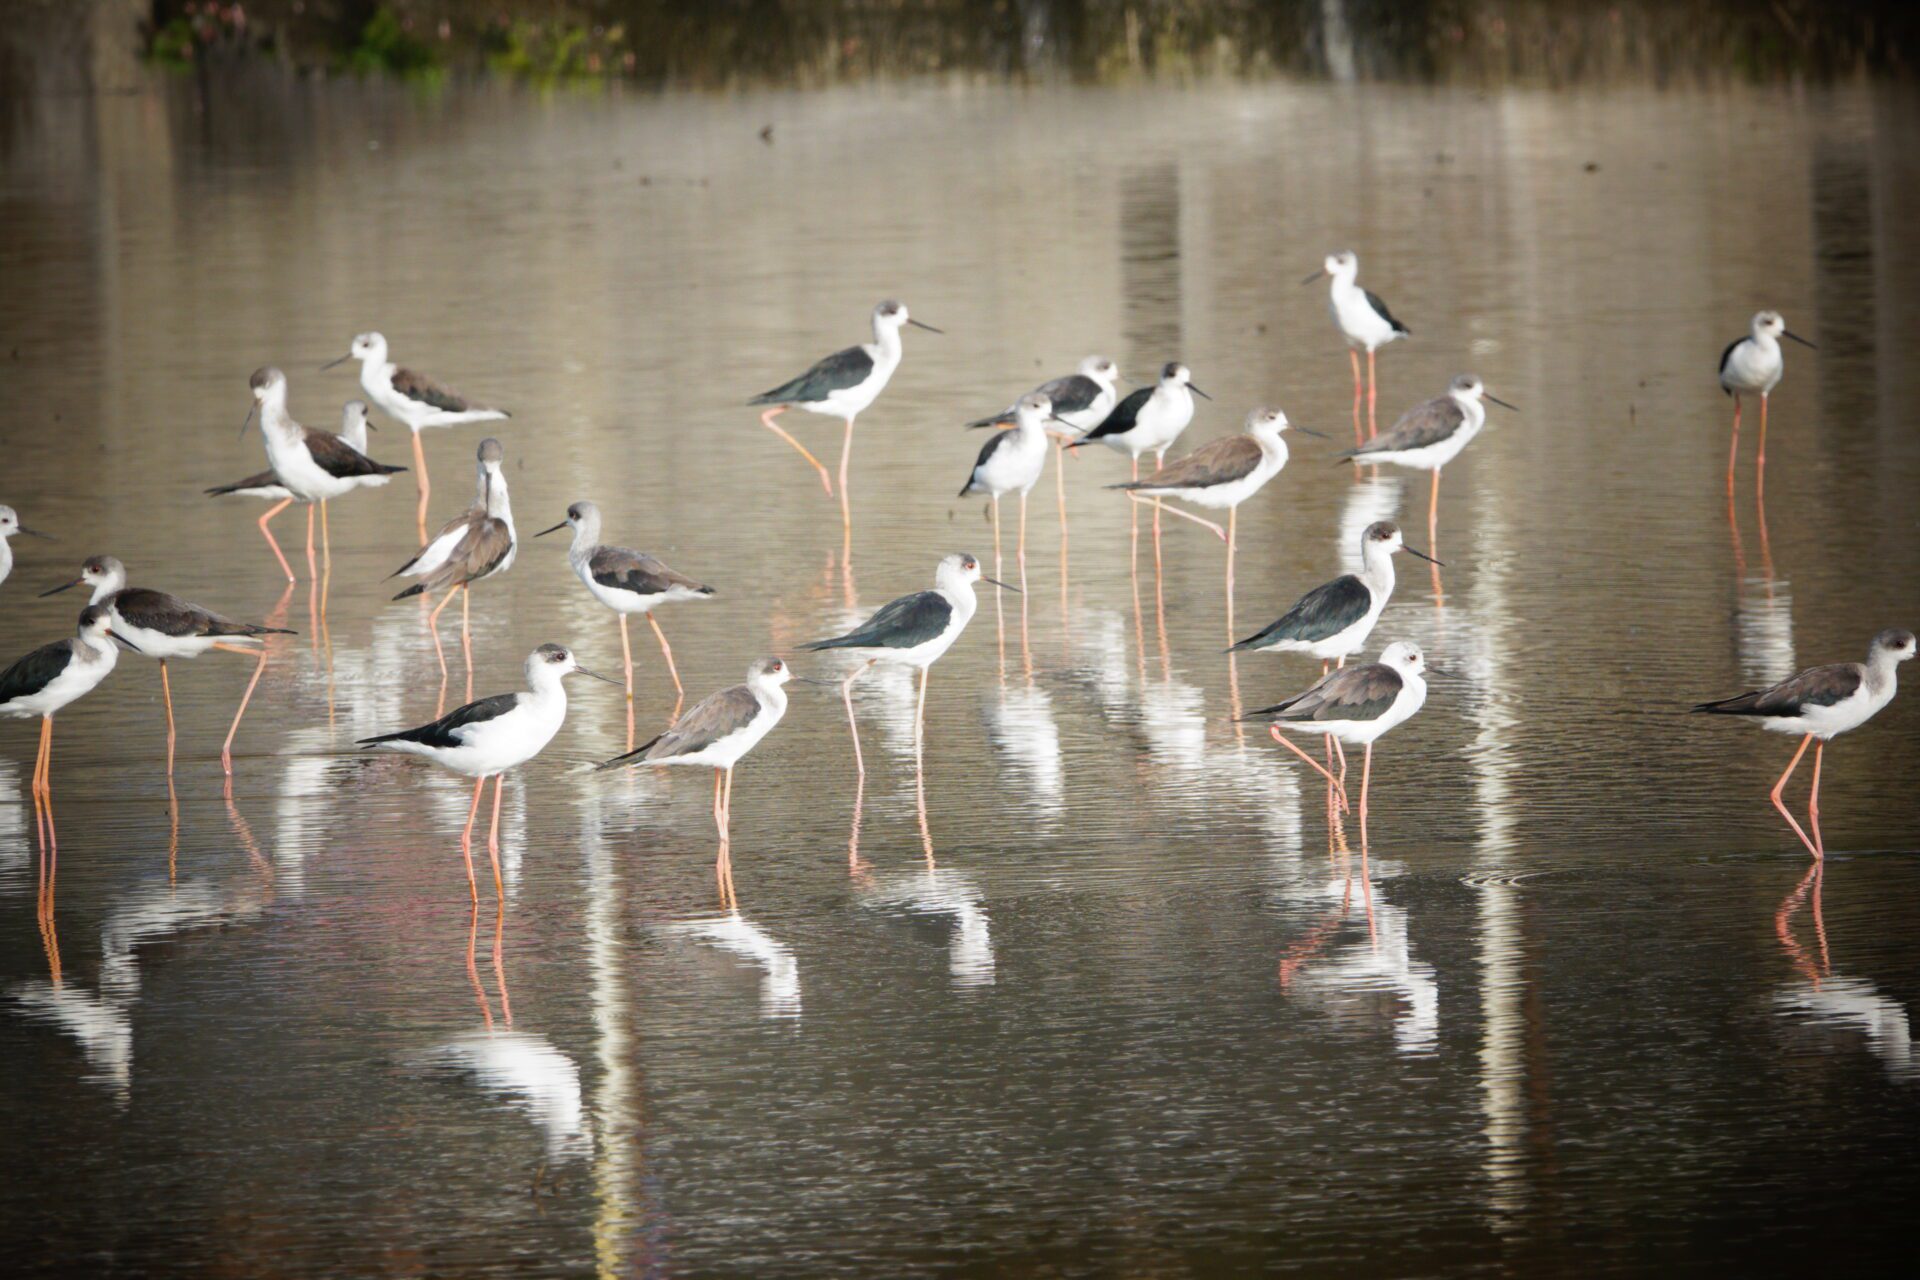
{"x":466,"y":838}
{"x":1358,"y":393}
{"x":1813,"y":802}
{"x":433,"y":625}
{"x":166,"y":696}
{"x":1023,"y":542}
{"x":626,"y":655}
{"x":1133,"y":527}
{"x":1733,"y":451}
{"x":421,"y":482}
{"x":1781,"y":786}
{"x":1366,"y":777}
{"x":920,"y":717}
{"x":666,"y":650}
{"x":313,"y":568}
{"x":326,"y":538}
{"x":1433,"y":516}
{"x":1233,"y":528}
{"x":1204,"y":523}
{"x":259,"y":667}
{"x":1060,"y":483}
{"x":1760,"y":472}
{"x":767,"y":421}
{"x":853,"y":726}
{"x":1373,"y":398}
{"x":466,"y":634}
{"x":846,"y":501}
{"x":267,"y":533}
{"x":493,"y":838}
{"x":726,"y":811}
{"x":1287,"y":742}
{"x":719,"y":816}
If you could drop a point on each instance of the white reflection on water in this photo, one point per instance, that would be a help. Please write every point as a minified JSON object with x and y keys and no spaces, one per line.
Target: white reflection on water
{"x":1021,"y":727}
{"x":1856,"y":1005}
{"x":734,"y":934}
{"x":1376,"y":498}
{"x":16,"y":851}
{"x":528,"y":1073}
{"x":936,"y":891}
{"x":616,"y":1110}
{"x":1764,"y":632}
{"x":1344,"y":979}
{"x":100,"y":1025}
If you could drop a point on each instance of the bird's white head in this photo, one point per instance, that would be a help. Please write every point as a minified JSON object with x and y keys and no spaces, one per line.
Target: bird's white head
{"x":1405,"y":657}
{"x":104,"y":575}
{"x":269,"y":385}
{"x":1032,"y":411}
{"x":491,"y":456}
{"x":1101,"y":370}
{"x":1344,"y":265}
{"x":768,"y":673}
{"x":1382,"y":537}
{"x":354,"y":423}
{"x":1175,"y":374}
{"x":958,"y":571}
{"x":1266,"y":423}
{"x":1769,"y":324}
{"x":1468,"y":388}
{"x":548,"y":665}
{"x":369,"y":347}
{"x":1897,"y":643}
{"x":891,"y":315}
{"x":96,"y":623}
{"x":9,"y":522}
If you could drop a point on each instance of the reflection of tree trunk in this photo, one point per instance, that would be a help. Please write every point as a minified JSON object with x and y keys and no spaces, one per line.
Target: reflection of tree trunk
{"x":1846,"y":312}
{"x":1150,"y":267}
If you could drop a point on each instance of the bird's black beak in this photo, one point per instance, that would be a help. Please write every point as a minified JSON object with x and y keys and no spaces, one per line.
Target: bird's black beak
{"x":130,"y":645}
{"x":65,"y":586}
{"x":929,"y":328}
{"x":595,"y":675}
{"x":248,"y":420}
{"x":1309,"y":431}
{"x":1497,"y":400}
{"x":370,"y":425}
{"x":1438,"y":671}
{"x":996,"y":582}
{"x":1320,"y":274}
{"x":1415,"y":551}
{"x":557,"y":528}
{"x":35,"y":533}
{"x":331,"y":363}
{"x":1197,"y":391}
{"x":1788,"y":333}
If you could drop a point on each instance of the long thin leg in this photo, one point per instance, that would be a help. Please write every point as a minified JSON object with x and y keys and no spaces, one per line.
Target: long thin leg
{"x":166,"y":696}
{"x":1733,"y":451}
{"x":1023,"y":542}
{"x":326,"y":538}
{"x":767,"y":421}
{"x":259,"y":667}
{"x":1366,"y":777}
{"x":433,"y":625}
{"x":626,"y":656}
{"x":1358,"y":393}
{"x":466,"y":834}
{"x":1373,"y":398}
{"x":466,"y":634}
{"x":1781,"y":785}
{"x":1233,"y":529}
{"x":425,"y":487}
{"x":1433,"y":516}
{"x":267,"y":533}
{"x":853,"y":725}
{"x":1060,"y":484}
{"x":920,"y":717}
{"x":1760,"y":472}
{"x":726,"y":811}
{"x":493,"y":838}
{"x":846,"y":501}
{"x":1206,"y":524}
{"x":666,"y":650}
{"x":313,"y":567}
{"x":1287,"y":742}
{"x":1813,"y":802}
{"x":999,"y":605}
{"x":719,"y":817}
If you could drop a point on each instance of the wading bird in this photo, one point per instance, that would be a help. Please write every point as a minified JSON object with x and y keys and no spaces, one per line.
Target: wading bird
{"x":1011,"y":462}
{"x":1332,"y":621}
{"x":413,"y":399}
{"x":1752,"y":366}
{"x":1821,"y":703}
{"x":626,"y":582}
{"x":913,"y":631}
{"x":1081,"y":401}
{"x":478,"y":543}
{"x":312,"y":466}
{"x":1430,"y":435}
{"x":842,"y":386}
{"x":1364,"y":321}
{"x":162,"y":626}
{"x":10,"y":525}
{"x":484,"y":739}
{"x":52,"y":677}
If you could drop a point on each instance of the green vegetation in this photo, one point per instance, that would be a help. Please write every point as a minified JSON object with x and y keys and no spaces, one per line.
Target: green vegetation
{"x":386,"y":45}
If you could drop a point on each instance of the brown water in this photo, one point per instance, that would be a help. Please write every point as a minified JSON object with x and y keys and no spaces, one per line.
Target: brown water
{"x":1117,"y":1008}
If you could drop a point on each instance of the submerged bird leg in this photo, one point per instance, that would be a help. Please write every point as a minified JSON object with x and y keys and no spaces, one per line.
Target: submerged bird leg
{"x":466,"y":837}
{"x":767,"y":421}
{"x":920,"y":717}
{"x":1216,"y":530}
{"x":853,"y":726}
{"x":260,"y":665}
{"x":425,"y":487}
{"x":666,"y":650}
{"x":1781,"y":785}
{"x":493,"y":838}
{"x":1813,"y":802}
{"x":166,"y":696}
{"x":267,"y":533}
{"x":1287,"y":742}
{"x":1760,"y":472}
{"x":1733,"y":452}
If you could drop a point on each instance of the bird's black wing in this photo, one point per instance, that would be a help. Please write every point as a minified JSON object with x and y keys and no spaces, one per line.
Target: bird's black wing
{"x":839,"y":371}
{"x":35,"y":671}
{"x":1724,"y":357}
{"x":265,"y":480}
{"x":1321,"y":614}
{"x":1379,"y":305}
{"x":638,"y":572}
{"x":419,"y":387}
{"x":994,"y":442}
{"x":1121,"y":420}
{"x":171,"y":616}
{"x":1814,"y":687}
{"x":447,"y":730}
{"x":1428,"y":422}
{"x":1070,"y":394}
{"x":1352,"y":693}
{"x":341,"y":460}
{"x":901,"y":624}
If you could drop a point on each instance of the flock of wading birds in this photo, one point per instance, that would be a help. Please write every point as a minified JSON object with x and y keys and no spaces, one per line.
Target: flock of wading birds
{"x":1348,"y":706}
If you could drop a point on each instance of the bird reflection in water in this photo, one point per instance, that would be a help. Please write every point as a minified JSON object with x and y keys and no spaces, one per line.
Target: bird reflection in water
{"x":938,"y":892}
{"x":734,"y":934}
{"x":1343,"y":976}
{"x":1820,"y":998}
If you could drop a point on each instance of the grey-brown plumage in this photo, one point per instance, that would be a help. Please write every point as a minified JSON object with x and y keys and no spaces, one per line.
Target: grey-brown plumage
{"x":169,"y":615}
{"x":417,"y":386}
{"x":620,"y":569}
{"x":1351,"y":693}
{"x":1814,"y":687}
{"x":1217,"y":462}
{"x":339,"y":459}
{"x":1427,"y":423}
{"x":715,"y":717}
{"x":486,"y":548}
